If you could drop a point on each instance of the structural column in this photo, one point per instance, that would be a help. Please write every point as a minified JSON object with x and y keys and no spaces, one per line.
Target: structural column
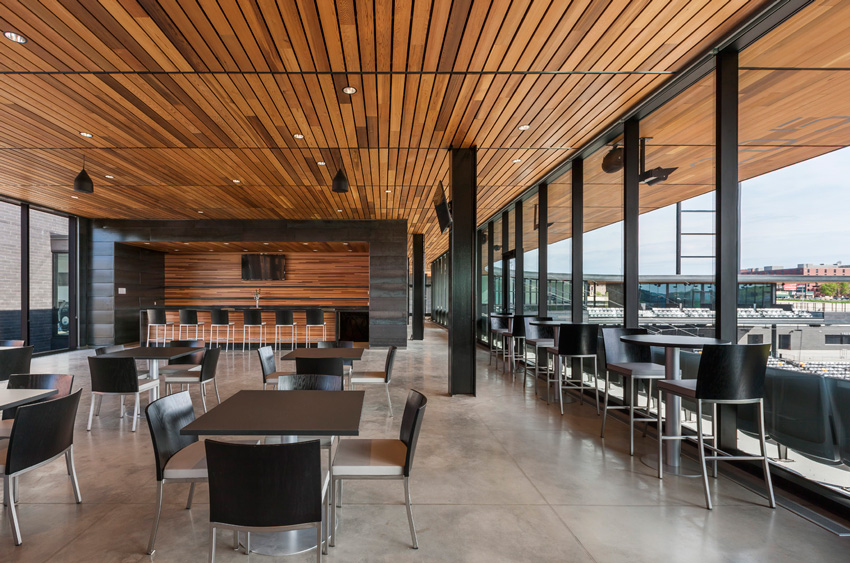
{"x":462,"y":272}
{"x":631,"y":209}
{"x":418,"y":328}
{"x":577,"y":220}
{"x":506,"y":272}
{"x":543,"y":250}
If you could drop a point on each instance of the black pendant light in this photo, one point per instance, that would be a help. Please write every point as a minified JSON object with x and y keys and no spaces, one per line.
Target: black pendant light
{"x":83,"y":183}
{"x":340,"y":183}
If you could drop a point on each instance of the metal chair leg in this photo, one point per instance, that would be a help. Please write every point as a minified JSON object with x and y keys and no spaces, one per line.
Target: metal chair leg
{"x":410,"y":513}
{"x":136,"y":412}
{"x":389,"y":401}
{"x":660,"y":436}
{"x":91,"y":412}
{"x":8,"y":483}
{"x":217,"y":396}
{"x":631,"y":416}
{"x":191,"y":496}
{"x":605,"y":404}
{"x":212,"y":544}
{"x":72,"y":472}
{"x":158,"y":511}
{"x":765,"y":460}
{"x":701,"y":448}
{"x":203,"y":396}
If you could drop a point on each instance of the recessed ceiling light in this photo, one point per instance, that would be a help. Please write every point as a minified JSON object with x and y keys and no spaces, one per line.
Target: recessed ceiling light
{"x":12,"y":36}
{"x":298,"y":136}
{"x":339,"y":210}
{"x":265,"y":243}
{"x":314,"y":250}
{"x":244,"y":250}
{"x":75,"y":197}
{"x":349,"y":90}
{"x":201,"y":212}
{"x":304,"y":243}
{"x":280,"y":250}
{"x":237,"y":181}
{"x":524,"y":127}
{"x":321,"y":163}
{"x":147,"y":243}
{"x":86,"y":135}
{"x":345,"y":243}
{"x":388,"y":191}
{"x":516,"y":160}
{"x":109,"y":177}
{"x":227,"y":243}
{"x":175,"y":250}
{"x":211,"y":249}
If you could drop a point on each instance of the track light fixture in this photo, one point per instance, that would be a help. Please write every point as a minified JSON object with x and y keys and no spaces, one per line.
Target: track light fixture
{"x":83,"y":182}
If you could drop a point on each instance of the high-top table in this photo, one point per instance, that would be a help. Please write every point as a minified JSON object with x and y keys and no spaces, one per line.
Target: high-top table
{"x":282,"y":413}
{"x":10,"y":398}
{"x":672,"y":344}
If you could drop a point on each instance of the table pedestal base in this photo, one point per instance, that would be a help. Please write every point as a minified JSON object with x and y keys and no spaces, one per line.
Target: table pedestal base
{"x":686,"y":467}
{"x":280,"y":543}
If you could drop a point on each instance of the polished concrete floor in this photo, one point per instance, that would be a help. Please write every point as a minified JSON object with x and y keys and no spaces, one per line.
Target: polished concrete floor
{"x":498,"y":477}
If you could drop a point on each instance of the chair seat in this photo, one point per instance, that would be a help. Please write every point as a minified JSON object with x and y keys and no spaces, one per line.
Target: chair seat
{"x":4,"y":449}
{"x":362,"y":457}
{"x":151,"y":384}
{"x":176,"y":368}
{"x":638,"y":369}
{"x":183,"y":378}
{"x":540,"y":342}
{"x":681,"y":387}
{"x":188,"y":463}
{"x":272,"y":377}
{"x":6,"y":430}
{"x":369,"y":377}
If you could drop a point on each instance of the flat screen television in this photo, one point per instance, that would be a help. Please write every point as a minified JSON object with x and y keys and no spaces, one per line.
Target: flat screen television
{"x":263,"y":267}
{"x":441,"y":206}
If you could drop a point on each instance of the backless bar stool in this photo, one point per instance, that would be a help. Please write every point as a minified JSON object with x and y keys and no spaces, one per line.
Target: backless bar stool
{"x":283,"y":320}
{"x":221,"y":319}
{"x":189,"y":319}
{"x":157,"y":320}
{"x":253,"y":318}
{"x":315,"y":320}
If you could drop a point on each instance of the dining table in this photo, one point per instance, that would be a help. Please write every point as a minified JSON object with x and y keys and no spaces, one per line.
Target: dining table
{"x":282,"y":413}
{"x":11,"y":398}
{"x":672,"y":344}
{"x":324,"y":353}
{"x":154,"y":355}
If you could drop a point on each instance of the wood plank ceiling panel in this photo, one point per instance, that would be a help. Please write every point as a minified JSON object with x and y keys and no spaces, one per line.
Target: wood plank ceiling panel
{"x":184,"y":97}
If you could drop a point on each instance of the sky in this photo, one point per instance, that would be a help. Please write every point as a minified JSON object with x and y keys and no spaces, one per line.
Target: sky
{"x":794,"y":215}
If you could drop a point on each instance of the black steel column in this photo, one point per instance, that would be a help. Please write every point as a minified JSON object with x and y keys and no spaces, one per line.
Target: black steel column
{"x":25,"y":273}
{"x":464,"y":182}
{"x":73,"y":273}
{"x":727,"y":207}
{"x":418,"y":328}
{"x":631,"y":213}
{"x":519,"y":287}
{"x":491,"y":276}
{"x":577,"y":286}
{"x":506,"y":273}
{"x":543,"y":250}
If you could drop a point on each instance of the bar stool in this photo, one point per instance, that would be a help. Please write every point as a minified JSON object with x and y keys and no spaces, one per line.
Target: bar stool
{"x":498,"y":327}
{"x":315,"y":320}
{"x":577,"y":341}
{"x":517,"y":337}
{"x":221,"y":319}
{"x":189,"y":319}
{"x":537,"y":337}
{"x":157,"y":320}
{"x":282,"y":320}
{"x":253,"y":318}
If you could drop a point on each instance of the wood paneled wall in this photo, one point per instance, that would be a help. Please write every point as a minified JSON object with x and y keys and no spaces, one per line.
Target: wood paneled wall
{"x":326,"y":279}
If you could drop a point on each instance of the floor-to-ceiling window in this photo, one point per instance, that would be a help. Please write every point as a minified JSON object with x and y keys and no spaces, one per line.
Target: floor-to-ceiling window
{"x":10,"y":255}
{"x":530,"y":258}
{"x":498,"y":277}
{"x":49,"y":281}
{"x":560,"y":248}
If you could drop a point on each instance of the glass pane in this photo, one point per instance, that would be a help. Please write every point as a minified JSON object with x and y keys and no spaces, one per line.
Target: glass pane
{"x":530,"y":255}
{"x":498,"y":293}
{"x":49,"y":291}
{"x":560,"y":258}
{"x":10,"y":297}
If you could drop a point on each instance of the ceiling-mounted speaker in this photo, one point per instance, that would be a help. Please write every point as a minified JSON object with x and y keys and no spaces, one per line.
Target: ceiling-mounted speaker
{"x":83,"y":183}
{"x":340,"y":182}
{"x":613,"y":161}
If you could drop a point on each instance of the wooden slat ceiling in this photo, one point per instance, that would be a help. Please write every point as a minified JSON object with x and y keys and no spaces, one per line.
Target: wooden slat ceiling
{"x":183,"y":97}
{"x":240,"y":247}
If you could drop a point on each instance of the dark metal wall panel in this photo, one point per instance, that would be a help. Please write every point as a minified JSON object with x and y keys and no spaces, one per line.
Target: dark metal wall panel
{"x":418,"y":321}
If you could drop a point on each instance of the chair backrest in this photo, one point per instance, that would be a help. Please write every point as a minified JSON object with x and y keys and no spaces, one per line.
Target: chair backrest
{"x":195,"y":358}
{"x":326,"y":344}
{"x":315,"y":317}
{"x":41,"y":431}
{"x":219,"y":317}
{"x":188,"y":316}
{"x":840,"y":395}
{"x":319,"y":366}
{"x":15,"y":360}
{"x":267,"y":362}
{"x":156,"y":317}
{"x":113,"y":375}
{"x":310,"y":382}
{"x":732,"y":372}
{"x":264,"y":485}
{"x":537,"y":332}
{"x":518,"y":326}
{"x":59,"y":381}
{"x":166,"y":417}
{"x":14,"y":343}
{"x":388,"y":365}
{"x":210,"y":364}
{"x":108,"y":349}
{"x":252,"y":317}
{"x":578,"y":339}
{"x":499,"y":323}
{"x":619,"y":352}
{"x":283,"y":318}
{"x":414,"y":410}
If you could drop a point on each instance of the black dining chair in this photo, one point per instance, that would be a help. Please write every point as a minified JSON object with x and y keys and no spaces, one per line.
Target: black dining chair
{"x":265,"y":488}
{"x":42,"y":432}
{"x":309,"y":382}
{"x":575,"y":341}
{"x":499,"y":327}
{"x":12,"y":343}
{"x":361,"y":458}
{"x":378,"y":377}
{"x":731,"y":374}
{"x":179,"y":458}
{"x":269,"y":366}
{"x":158,"y":319}
{"x":15,"y":360}
{"x":200,"y":378}
{"x":61,"y":382}
{"x":119,"y":377}
{"x":108,"y":349}
{"x":192,"y":362}
{"x":189,"y":319}
{"x":631,"y":362}
{"x":320,"y":366}
{"x":349,"y":364}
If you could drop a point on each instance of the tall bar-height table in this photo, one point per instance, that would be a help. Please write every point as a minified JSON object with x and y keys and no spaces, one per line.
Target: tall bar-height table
{"x":672,"y":344}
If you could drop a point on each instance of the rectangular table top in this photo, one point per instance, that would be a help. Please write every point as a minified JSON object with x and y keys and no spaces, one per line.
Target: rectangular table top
{"x":322,"y":353}
{"x":282,"y":413}
{"x":153,"y":352}
{"x":16,"y":397}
